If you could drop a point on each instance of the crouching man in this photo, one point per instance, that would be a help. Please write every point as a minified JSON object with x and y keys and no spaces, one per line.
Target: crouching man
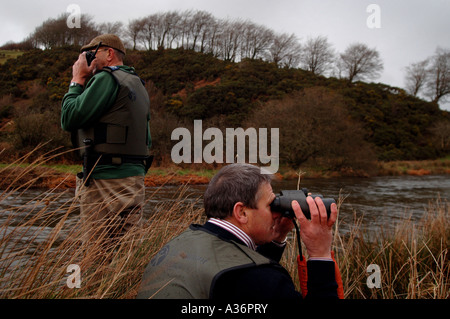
{"x":236,"y":253}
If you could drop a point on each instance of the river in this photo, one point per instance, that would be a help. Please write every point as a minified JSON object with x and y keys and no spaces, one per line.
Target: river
{"x":381,"y":201}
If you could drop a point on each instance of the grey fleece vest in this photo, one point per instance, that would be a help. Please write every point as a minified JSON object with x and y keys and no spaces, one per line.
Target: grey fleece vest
{"x":123,"y":129}
{"x":189,"y":264}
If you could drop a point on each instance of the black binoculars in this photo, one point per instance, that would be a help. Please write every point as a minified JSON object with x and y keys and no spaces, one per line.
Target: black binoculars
{"x":90,"y":56}
{"x":283,"y":202}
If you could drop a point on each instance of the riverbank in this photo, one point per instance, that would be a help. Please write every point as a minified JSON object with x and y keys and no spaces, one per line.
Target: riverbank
{"x":61,"y":176}
{"x":64,"y":177}
{"x":42,"y":235}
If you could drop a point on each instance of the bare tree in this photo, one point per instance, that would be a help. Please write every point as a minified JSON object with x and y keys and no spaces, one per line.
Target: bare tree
{"x":201,"y":21}
{"x":256,"y":40}
{"x":360,"y":62}
{"x":111,"y":27}
{"x":173,"y":21}
{"x":438,"y":85}
{"x":55,"y":32}
{"x":184,"y":28}
{"x":212,"y":42}
{"x":441,"y":131}
{"x":317,"y":55}
{"x":161,"y":27}
{"x":148,"y":31}
{"x":230,"y":39}
{"x":416,"y":77}
{"x":285,"y":50}
{"x":134,"y":30}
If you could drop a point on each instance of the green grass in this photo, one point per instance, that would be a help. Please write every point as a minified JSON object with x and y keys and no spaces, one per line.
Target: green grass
{"x":202,"y":172}
{"x":63,"y":168}
{"x":438,"y":166}
{"x":74,"y":169}
{"x":9,"y":54}
{"x":181,"y":171}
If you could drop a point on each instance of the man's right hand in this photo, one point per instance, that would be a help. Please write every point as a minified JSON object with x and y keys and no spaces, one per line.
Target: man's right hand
{"x":316,"y":233}
{"x":80,"y":70}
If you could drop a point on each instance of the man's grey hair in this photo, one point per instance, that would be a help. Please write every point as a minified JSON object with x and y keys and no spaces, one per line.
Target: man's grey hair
{"x":120,"y":55}
{"x":233,"y":183}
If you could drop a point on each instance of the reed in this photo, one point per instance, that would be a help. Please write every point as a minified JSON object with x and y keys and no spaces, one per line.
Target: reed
{"x":412,"y":257}
{"x":39,"y":239}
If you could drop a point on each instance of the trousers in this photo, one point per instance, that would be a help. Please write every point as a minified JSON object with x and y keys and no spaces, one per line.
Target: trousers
{"x":109,"y":208}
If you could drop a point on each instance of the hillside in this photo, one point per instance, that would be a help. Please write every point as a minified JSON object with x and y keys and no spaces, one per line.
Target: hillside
{"x":325,"y":120}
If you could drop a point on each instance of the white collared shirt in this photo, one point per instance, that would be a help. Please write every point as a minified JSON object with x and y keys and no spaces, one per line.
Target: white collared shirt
{"x":236,"y":231}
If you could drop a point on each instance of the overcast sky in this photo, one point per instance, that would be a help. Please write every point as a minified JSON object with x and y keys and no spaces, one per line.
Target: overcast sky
{"x":409,"y":30}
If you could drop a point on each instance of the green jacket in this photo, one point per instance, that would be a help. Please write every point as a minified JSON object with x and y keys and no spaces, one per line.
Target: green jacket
{"x":190,"y":264}
{"x":82,"y":108}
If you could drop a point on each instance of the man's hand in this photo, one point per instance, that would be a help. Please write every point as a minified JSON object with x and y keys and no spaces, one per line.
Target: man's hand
{"x":80,"y":69}
{"x":282,"y":226}
{"x":317,"y":232}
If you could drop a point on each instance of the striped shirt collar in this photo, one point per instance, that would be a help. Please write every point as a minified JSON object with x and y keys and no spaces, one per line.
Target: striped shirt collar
{"x":236,"y":231}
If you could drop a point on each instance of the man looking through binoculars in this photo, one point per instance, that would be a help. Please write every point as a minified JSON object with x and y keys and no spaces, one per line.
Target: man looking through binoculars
{"x":107,"y":110}
{"x":236,"y":253}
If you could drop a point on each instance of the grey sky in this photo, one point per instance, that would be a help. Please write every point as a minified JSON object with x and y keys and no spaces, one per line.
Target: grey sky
{"x":410,"y":31}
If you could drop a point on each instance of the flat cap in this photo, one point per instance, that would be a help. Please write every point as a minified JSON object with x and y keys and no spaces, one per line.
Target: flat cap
{"x":107,"y":40}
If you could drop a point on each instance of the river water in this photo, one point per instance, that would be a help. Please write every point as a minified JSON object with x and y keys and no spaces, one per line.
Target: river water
{"x":381,"y":201}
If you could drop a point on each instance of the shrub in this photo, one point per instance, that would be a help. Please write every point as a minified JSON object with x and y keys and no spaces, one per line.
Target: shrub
{"x":314,"y":125}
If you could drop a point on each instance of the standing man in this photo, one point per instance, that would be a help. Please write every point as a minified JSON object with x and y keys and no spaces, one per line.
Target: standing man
{"x":236,"y":253}
{"x":108,"y":117}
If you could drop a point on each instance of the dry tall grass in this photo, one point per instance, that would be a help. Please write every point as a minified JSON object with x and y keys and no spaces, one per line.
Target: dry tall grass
{"x":39,"y":239}
{"x":412,"y":256}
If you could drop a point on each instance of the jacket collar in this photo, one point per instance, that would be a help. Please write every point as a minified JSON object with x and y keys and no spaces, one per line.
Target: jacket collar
{"x":218,"y":232}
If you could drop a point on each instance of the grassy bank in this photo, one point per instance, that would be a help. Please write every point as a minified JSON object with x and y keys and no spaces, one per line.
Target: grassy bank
{"x":9,"y":54}
{"x":63,"y":176}
{"x":42,"y":175}
{"x":426,"y":167}
{"x":39,"y":240}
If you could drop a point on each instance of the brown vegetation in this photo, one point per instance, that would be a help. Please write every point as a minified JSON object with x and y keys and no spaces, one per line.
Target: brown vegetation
{"x":48,"y":178}
{"x":315,"y":127}
{"x":41,"y":240}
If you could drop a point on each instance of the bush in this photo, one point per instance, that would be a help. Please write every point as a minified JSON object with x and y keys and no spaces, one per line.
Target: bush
{"x":39,"y":123}
{"x":314,"y":125}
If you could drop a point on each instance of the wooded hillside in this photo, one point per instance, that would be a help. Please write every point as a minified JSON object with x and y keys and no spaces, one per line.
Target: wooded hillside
{"x":330,"y":121}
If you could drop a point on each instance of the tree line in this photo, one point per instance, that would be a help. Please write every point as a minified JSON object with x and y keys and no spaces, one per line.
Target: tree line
{"x":370,"y":121}
{"x":234,"y":40}
{"x":430,"y":77}
{"x":230,"y":40}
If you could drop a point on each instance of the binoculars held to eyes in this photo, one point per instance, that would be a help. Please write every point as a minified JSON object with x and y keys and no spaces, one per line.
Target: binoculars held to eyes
{"x":90,"y":56}
{"x":283,"y":202}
